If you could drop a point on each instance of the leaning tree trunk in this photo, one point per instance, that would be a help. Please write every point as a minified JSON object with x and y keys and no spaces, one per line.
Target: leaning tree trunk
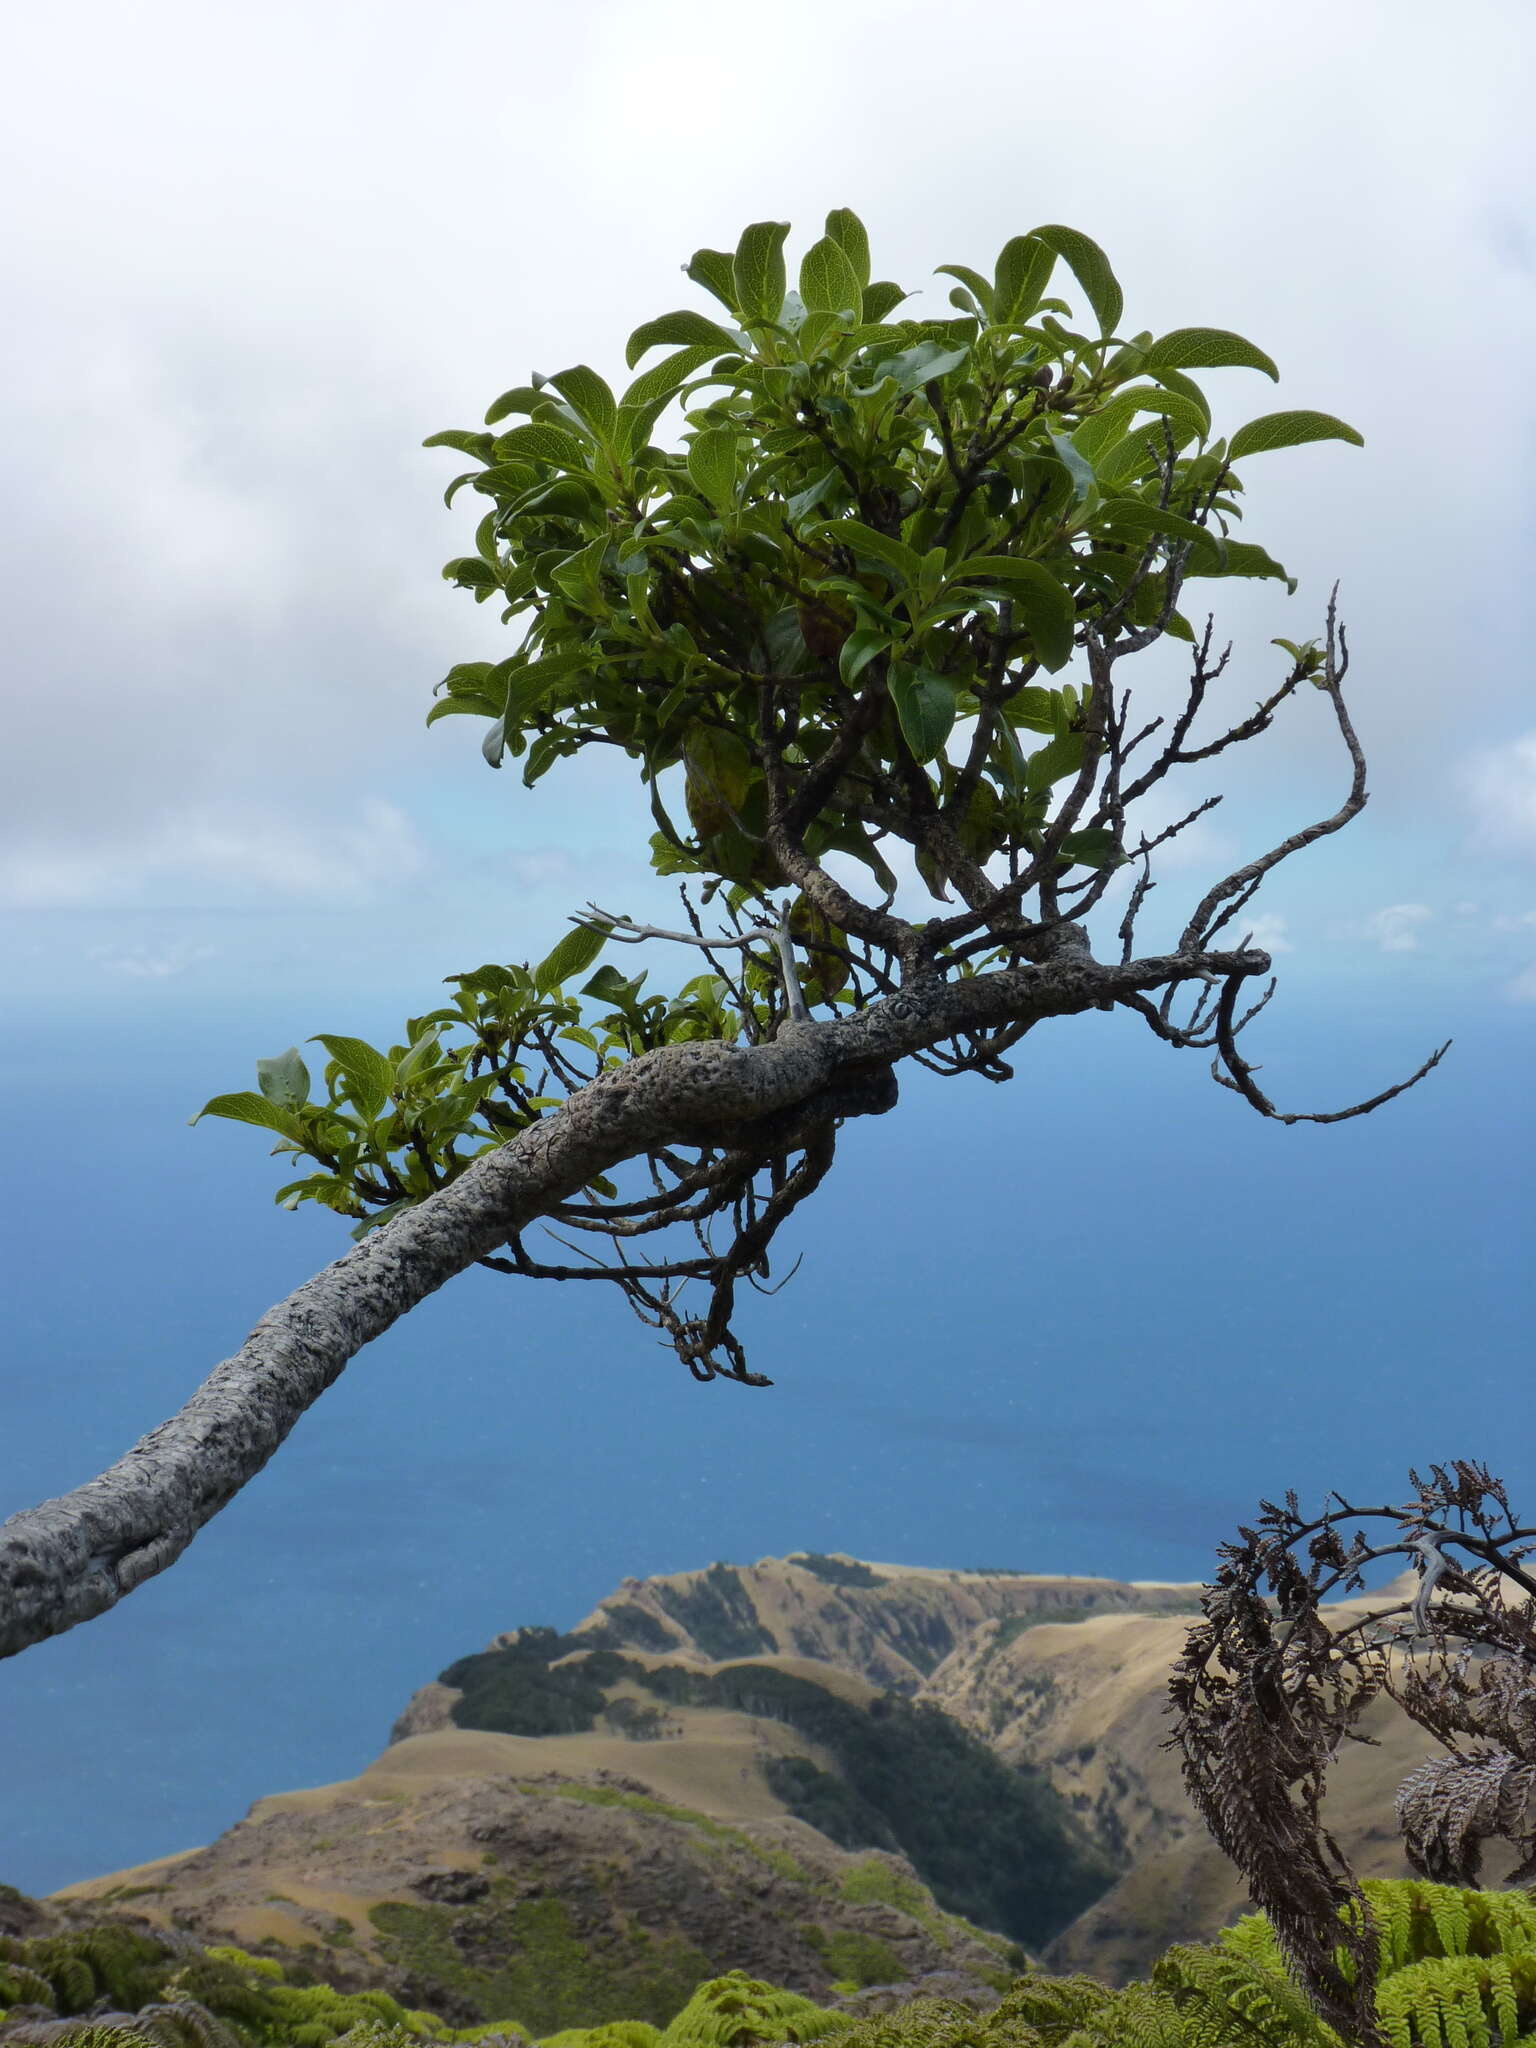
{"x":74,"y":1557}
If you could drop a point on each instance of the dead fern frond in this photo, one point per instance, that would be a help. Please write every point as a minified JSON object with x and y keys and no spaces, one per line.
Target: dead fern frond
{"x":1450,"y":1805}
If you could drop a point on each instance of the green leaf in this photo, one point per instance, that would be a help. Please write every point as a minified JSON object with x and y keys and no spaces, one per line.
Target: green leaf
{"x":508,"y":480}
{"x":1105,"y":428}
{"x":1137,"y":455}
{"x":973,"y":281}
{"x":806,"y":501}
{"x":590,"y":396}
{"x":1185,"y":387}
{"x":1048,"y":764}
{"x":894,"y":555}
{"x":668,"y":376}
{"x":579,"y":575}
{"x":635,"y":424}
{"x":608,"y":985}
{"x":1076,"y":464}
{"x":1092,"y":848}
{"x":1023,"y":271}
{"x":1045,"y":603}
{"x":913,"y":367}
{"x":712,"y":464}
{"x":1135,"y":515}
{"x":757,"y":269}
{"x":465,"y":705}
{"x":925,"y":708}
{"x":858,"y":651}
{"x":478,"y":445}
{"x":364,"y":1069}
{"x":379,"y":1216}
{"x":716,"y":271}
{"x":521,"y":398}
{"x":1207,"y":348}
{"x":537,"y":443}
{"x":851,"y":236}
{"x":284,"y":1079}
{"x":720,"y":762}
{"x":882,"y":298}
{"x":466,"y":677}
{"x":575,"y":952}
{"x":827,"y":280}
{"x":1246,"y":559}
{"x":494,"y":745}
{"x":472,"y":572}
{"x":1035,"y":709}
{"x":528,"y":683}
{"x":420,"y":1055}
{"x":1289,"y":430}
{"x":247,"y":1108}
{"x":315,"y":1187}
{"x":1090,"y":266}
{"x":689,"y":329}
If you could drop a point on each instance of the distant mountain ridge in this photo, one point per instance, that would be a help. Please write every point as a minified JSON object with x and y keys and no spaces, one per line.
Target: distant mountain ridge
{"x":890,"y":1625}
{"x":843,"y":1776}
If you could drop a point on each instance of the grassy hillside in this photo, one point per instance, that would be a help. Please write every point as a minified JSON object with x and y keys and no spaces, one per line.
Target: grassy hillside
{"x":994,"y":1843}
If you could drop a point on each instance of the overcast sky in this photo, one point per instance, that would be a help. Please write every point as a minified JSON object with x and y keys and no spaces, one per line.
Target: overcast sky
{"x":249,"y":258}
{"x":252,"y":260}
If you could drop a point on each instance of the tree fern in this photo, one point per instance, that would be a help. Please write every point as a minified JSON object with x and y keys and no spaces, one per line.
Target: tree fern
{"x":1224,"y":1993}
{"x":613,"y":2034}
{"x":1052,"y":2006}
{"x":1459,"y":2002}
{"x":114,"y":2030}
{"x":736,"y":2010}
{"x":22,"y":1985}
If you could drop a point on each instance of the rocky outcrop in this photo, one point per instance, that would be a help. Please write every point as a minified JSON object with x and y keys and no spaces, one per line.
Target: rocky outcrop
{"x":426,"y":1710}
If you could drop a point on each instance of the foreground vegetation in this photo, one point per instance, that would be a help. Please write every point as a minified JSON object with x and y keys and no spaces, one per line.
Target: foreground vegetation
{"x":1456,"y":1969}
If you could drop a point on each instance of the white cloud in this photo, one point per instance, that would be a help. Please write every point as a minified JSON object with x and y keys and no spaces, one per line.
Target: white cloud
{"x":147,"y":963}
{"x":1523,"y":988}
{"x":220,"y":579}
{"x":239,"y":854}
{"x":1500,"y":783}
{"x":1267,"y":930}
{"x":1396,"y":929}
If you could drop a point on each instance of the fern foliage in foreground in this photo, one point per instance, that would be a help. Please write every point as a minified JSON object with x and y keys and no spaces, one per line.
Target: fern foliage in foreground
{"x":1457,"y":1970}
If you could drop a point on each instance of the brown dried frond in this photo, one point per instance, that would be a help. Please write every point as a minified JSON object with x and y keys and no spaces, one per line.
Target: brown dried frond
{"x":1266,"y":1692}
{"x":1263,"y":1700}
{"x":1451,"y":1805}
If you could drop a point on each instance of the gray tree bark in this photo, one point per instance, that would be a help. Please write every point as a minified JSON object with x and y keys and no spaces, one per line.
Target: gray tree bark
{"x":76,"y":1556}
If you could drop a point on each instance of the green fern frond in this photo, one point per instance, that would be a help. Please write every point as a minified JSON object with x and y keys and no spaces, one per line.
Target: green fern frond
{"x":262,"y":1966}
{"x":1253,"y":1937}
{"x":1143,"y":2016}
{"x":21,"y":1985}
{"x":122,"y":2033}
{"x":944,"y":2023}
{"x":1052,"y":2006}
{"x":612,"y":2034}
{"x":185,"y":2024}
{"x":736,"y":2010}
{"x":1237,"y":1994}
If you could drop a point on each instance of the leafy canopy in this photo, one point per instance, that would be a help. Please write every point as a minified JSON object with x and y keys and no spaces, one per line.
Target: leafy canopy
{"x":861,"y":503}
{"x":840,"y":599}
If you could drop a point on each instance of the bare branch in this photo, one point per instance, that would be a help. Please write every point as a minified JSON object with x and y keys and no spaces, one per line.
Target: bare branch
{"x":1331,"y":682}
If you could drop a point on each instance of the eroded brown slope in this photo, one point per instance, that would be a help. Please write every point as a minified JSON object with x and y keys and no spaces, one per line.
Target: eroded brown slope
{"x":454,"y":1874}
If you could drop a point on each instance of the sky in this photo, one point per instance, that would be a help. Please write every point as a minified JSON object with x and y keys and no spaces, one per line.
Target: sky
{"x":1076,"y":1324}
